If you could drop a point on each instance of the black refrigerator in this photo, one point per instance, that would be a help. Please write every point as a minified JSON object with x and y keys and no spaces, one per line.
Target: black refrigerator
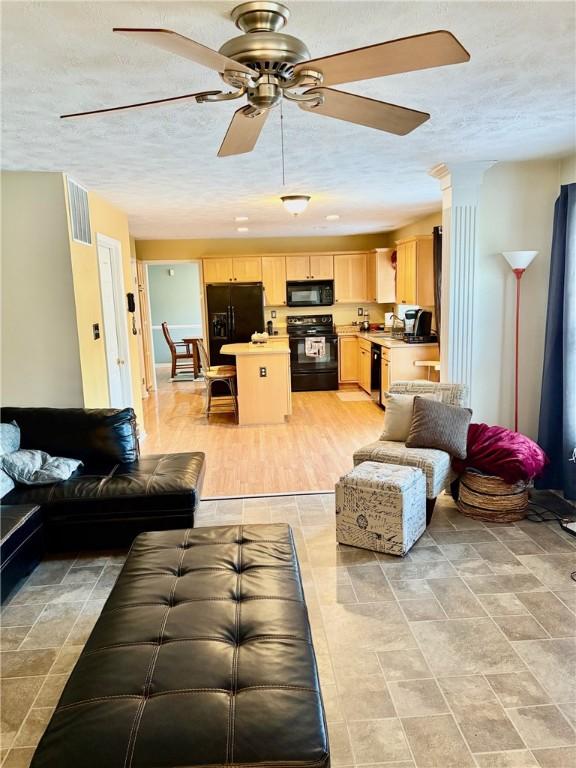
{"x":234,"y":313}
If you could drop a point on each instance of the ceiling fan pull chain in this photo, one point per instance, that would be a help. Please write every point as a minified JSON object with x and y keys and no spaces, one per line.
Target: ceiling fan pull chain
{"x":282,"y":144}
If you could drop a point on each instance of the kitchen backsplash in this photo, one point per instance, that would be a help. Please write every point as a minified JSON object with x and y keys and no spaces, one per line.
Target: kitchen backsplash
{"x":343,"y":314}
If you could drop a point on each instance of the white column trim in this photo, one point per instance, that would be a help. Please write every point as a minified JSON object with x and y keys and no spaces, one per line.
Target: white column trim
{"x":460,"y":184}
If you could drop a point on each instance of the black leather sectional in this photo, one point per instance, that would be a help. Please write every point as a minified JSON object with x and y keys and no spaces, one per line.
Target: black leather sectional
{"x":202,"y":656}
{"x":116,"y":495}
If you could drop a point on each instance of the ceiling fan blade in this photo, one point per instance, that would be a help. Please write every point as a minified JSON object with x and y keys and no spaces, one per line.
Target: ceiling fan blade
{"x":243,"y":132}
{"x":368,"y":112}
{"x":139,"y":104}
{"x":183,"y":46}
{"x":407,"y":54}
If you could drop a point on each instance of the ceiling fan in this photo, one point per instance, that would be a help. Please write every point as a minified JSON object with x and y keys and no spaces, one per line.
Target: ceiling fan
{"x":267,"y":65}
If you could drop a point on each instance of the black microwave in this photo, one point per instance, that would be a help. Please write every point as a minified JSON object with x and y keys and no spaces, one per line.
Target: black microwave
{"x":310,"y":293}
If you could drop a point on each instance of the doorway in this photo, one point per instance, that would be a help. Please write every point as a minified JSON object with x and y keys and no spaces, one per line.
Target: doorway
{"x":114,"y":328}
{"x":175,"y":296}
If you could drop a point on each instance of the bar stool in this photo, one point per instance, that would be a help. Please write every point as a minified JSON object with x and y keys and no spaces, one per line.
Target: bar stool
{"x":212,"y":374}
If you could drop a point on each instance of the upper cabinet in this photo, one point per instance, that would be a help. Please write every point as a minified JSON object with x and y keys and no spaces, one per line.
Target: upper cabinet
{"x":415,"y":271}
{"x":314,"y":266}
{"x":242,"y":269}
{"x":274,"y":279}
{"x":380,"y":277}
{"x":350,"y":278}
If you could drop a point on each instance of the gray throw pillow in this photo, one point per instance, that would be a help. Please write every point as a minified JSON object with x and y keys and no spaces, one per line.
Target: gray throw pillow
{"x":9,"y":442}
{"x":9,"y":438}
{"x":436,"y":425}
{"x":37,"y":467}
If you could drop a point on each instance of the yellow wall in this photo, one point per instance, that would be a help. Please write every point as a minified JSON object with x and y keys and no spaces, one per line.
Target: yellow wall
{"x":176,"y":250}
{"x":422,"y":226}
{"x":107,"y":220}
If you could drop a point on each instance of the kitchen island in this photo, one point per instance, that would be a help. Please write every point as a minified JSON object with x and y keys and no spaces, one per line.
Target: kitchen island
{"x":263,"y":381}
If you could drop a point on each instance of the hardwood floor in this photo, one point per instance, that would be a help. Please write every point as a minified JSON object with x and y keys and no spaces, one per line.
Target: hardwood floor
{"x":308,"y":453}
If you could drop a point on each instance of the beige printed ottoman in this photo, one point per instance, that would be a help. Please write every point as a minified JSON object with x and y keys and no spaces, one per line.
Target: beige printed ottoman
{"x":381,"y":507}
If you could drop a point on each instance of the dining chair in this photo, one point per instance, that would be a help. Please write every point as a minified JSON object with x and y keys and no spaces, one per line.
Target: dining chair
{"x":182,"y":362}
{"x":214,"y":373}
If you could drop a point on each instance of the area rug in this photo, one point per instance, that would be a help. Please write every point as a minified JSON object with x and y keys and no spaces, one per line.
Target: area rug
{"x":352,"y":397}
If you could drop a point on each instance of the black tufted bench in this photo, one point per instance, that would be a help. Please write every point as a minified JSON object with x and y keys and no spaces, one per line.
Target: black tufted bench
{"x":202,"y":657}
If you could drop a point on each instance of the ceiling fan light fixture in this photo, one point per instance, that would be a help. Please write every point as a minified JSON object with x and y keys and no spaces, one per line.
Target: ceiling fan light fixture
{"x":295,"y":204}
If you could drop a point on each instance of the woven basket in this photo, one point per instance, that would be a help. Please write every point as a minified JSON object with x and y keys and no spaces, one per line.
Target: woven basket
{"x":488,"y":498}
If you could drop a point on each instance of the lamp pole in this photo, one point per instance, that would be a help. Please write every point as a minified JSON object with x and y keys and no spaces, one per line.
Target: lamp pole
{"x":518,"y":261}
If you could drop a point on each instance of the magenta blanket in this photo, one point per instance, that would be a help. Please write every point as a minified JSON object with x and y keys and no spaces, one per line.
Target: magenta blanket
{"x":501,"y":452}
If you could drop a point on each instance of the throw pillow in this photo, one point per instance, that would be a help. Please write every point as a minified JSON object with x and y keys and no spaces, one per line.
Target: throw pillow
{"x":436,"y":425}
{"x":9,"y":442}
{"x":9,"y":438}
{"x":37,"y":467}
{"x":398,"y":415}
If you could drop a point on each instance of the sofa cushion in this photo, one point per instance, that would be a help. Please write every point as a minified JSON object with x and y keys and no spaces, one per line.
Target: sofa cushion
{"x":9,"y":442}
{"x":434,"y":463}
{"x":119,"y":500}
{"x":91,"y":435}
{"x":21,"y":544}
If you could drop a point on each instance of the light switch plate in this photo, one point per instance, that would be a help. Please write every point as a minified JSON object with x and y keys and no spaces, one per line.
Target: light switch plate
{"x":273,"y":314}
{"x":360,"y":311}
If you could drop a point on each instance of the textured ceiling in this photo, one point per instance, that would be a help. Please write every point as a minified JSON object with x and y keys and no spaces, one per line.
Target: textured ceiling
{"x":513,"y":101}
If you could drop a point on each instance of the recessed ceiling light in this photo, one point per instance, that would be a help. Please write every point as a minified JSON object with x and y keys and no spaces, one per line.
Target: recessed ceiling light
{"x":332,"y":217}
{"x":242,"y":229}
{"x":240,"y":218}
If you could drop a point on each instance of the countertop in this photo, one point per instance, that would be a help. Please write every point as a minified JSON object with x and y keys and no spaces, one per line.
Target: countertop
{"x":275,"y":348}
{"x":383,"y":341}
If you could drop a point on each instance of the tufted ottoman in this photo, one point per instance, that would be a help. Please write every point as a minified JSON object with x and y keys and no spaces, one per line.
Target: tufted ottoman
{"x":202,"y":656}
{"x":381,"y":507}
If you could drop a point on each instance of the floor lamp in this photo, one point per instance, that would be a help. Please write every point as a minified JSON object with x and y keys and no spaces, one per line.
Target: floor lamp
{"x":519,"y":262}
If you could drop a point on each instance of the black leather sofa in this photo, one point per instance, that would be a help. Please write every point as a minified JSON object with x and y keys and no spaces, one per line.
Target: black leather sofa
{"x":117,"y":493}
{"x":202,"y":656}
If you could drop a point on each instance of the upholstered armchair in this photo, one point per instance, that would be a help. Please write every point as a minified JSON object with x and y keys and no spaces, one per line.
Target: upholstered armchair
{"x":434,"y":463}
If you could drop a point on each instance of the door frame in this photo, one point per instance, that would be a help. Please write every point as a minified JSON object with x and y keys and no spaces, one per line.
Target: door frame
{"x":115,"y":247}
{"x":150,"y":337}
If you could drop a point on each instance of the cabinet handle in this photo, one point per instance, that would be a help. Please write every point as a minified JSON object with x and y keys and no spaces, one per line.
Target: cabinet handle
{"x":312,"y":277}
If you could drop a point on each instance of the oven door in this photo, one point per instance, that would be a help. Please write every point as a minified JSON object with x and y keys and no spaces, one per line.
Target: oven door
{"x":314,"y":362}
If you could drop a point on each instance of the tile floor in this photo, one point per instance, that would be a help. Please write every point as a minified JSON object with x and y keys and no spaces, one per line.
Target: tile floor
{"x":461,"y":654}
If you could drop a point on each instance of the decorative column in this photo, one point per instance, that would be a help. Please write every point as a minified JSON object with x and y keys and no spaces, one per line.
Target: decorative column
{"x":460,"y":184}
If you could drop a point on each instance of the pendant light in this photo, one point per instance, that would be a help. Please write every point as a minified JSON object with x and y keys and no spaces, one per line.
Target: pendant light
{"x":295,"y":204}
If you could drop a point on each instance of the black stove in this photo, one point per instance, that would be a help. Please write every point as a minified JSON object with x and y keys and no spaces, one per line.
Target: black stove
{"x":313,"y":352}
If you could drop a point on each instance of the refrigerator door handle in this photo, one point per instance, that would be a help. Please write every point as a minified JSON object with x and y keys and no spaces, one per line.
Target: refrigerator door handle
{"x":233,"y":314}
{"x":228,"y":322}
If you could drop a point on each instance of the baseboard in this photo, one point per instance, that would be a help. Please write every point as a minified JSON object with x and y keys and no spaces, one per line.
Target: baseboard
{"x":267,"y":495}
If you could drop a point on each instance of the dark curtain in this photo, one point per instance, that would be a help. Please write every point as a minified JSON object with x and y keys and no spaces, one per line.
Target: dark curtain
{"x":437,"y":251}
{"x":557,"y":427}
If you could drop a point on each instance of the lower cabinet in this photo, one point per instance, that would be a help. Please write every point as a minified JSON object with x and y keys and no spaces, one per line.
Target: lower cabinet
{"x":365,"y":364}
{"x":347,"y":359}
{"x":398,"y":363}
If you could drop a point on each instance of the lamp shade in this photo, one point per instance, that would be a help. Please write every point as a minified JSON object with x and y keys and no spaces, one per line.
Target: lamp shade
{"x":519,"y":259}
{"x":295,"y":204}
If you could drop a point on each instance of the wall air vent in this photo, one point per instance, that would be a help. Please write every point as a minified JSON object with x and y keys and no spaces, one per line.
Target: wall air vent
{"x":79,"y":213}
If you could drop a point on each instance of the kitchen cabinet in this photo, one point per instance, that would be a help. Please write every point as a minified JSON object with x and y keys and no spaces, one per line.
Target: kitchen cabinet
{"x":350,"y":277}
{"x":365,"y":364}
{"x":242,"y":269}
{"x":347,"y":359}
{"x":217,"y":270}
{"x":398,"y":363}
{"x":415,"y":271}
{"x":310,"y":266}
{"x":380,"y":276}
{"x":274,"y":279}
